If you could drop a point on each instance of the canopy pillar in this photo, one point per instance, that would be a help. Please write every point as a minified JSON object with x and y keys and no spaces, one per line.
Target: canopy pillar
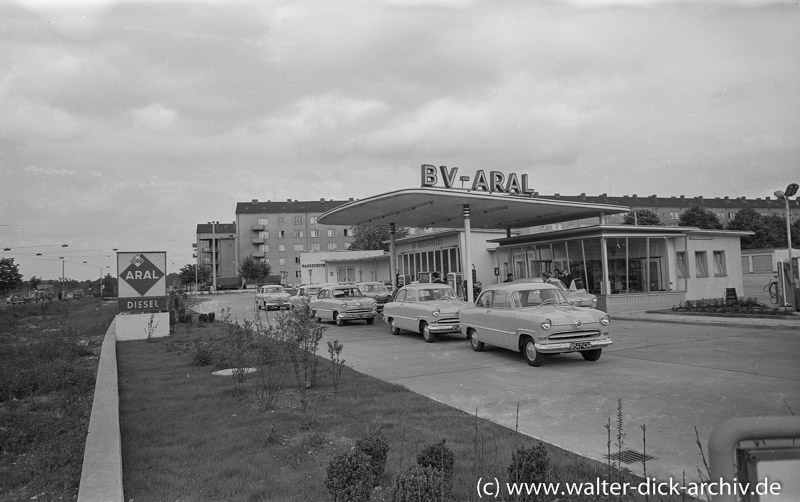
{"x":467,"y":269}
{"x":393,"y":255}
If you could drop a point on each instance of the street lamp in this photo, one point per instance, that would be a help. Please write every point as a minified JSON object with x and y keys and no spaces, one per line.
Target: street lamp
{"x":790,"y":191}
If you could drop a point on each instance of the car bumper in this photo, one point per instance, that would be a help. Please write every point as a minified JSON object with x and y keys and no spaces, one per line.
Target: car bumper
{"x":559,"y":347}
{"x":444,"y":328}
{"x":358,"y":315}
{"x":274,"y":304}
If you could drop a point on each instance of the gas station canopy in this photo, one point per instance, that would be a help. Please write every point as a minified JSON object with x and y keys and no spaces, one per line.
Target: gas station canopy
{"x":431,"y":207}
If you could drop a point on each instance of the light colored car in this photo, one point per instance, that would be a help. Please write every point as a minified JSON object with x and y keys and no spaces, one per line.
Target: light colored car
{"x":304,"y":293}
{"x":17,"y":298}
{"x":578,"y":297}
{"x":536,"y":319}
{"x":341,"y":303}
{"x":376,"y":290}
{"x":272,"y":296}
{"x":427,"y":308}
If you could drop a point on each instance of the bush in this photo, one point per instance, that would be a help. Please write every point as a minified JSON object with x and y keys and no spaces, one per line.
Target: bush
{"x":438,"y":456}
{"x":377,"y":448}
{"x":529,"y":465}
{"x":202,"y":353}
{"x":419,"y":482}
{"x":350,"y":477}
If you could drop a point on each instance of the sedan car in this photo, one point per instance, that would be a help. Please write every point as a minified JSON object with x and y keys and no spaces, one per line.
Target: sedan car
{"x":577,"y":297}
{"x":426,"y":308}
{"x":272,"y":296}
{"x":376,"y":290}
{"x":304,"y":293}
{"x":16,"y":298}
{"x":341,"y":303}
{"x":536,"y":319}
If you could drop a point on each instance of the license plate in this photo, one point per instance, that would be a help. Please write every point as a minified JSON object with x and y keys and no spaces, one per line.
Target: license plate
{"x":580,"y":346}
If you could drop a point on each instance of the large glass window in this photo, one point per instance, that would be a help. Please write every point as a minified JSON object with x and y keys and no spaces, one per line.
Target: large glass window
{"x":593,"y":257}
{"x":576,"y":266}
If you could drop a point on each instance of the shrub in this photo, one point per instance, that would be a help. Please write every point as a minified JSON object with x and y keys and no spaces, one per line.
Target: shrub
{"x":419,"y":482}
{"x":438,"y":456}
{"x":529,"y":465}
{"x":202,"y":353}
{"x":350,"y":477}
{"x":377,"y":448}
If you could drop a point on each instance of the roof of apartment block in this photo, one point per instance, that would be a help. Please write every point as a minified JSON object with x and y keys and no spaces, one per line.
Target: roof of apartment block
{"x":288,"y":206}
{"x":220,"y":228}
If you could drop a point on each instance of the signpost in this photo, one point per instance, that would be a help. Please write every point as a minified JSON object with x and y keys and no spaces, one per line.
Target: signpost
{"x":142,"y":285}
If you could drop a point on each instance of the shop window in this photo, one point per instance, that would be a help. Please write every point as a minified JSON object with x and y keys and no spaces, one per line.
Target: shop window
{"x":700,"y":264}
{"x":681,"y":260}
{"x":719,"y":264}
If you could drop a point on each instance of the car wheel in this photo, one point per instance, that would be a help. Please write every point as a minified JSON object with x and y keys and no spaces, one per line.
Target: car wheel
{"x":393,"y":327}
{"x":426,"y":333}
{"x":371,"y":320}
{"x":592,"y":355}
{"x":339,"y":320}
{"x":314,"y":315}
{"x":477,"y":345}
{"x":533,"y":357}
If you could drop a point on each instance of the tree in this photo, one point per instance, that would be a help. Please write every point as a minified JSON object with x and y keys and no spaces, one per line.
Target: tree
{"x":34,"y":281}
{"x":187,"y":274}
{"x":366,"y":238}
{"x":253,"y":270}
{"x":10,"y":277}
{"x":109,"y":286}
{"x":699,"y":217}
{"x":768,"y":231}
{"x":642,"y":217}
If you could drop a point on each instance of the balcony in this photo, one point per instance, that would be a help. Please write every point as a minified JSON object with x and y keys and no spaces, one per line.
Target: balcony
{"x":257,"y":241}
{"x":258,"y":254}
{"x":256,"y":228}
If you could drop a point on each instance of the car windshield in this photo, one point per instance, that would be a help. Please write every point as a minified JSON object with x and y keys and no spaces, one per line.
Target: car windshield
{"x":373,"y":288}
{"x":537,"y":298}
{"x":276,"y":289}
{"x":432,"y":294}
{"x":347,"y":293}
{"x":312,"y":291}
{"x":557,"y":283}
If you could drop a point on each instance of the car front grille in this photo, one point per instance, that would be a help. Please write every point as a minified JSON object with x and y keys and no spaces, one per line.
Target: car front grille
{"x":571,"y":335}
{"x":358,"y":310}
{"x":447,"y":320}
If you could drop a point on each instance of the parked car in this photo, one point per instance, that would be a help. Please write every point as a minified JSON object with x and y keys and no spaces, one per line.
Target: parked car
{"x":341,"y":303}
{"x":376,"y":290}
{"x":536,"y":319}
{"x":272,"y":296}
{"x":578,"y":297}
{"x":427,"y":308}
{"x":17,"y":298}
{"x":304,"y":293}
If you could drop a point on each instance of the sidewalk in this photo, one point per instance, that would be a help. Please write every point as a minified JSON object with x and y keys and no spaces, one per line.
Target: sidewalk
{"x":738,"y":322}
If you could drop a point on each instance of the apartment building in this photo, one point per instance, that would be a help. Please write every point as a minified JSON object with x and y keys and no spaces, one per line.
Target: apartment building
{"x":216,"y":248}
{"x":279,"y":232}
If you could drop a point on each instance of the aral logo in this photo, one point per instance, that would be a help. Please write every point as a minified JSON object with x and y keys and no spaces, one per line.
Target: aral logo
{"x":141,"y":274}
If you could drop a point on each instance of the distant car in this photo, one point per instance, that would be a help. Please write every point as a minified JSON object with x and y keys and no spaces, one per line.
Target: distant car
{"x":536,"y":319}
{"x":426,"y":308}
{"x":376,"y":290}
{"x":578,"y":297}
{"x":272,"y":296}
{"x":341,"y":303}
{"x":17,"y":298}
{"x":304,"y":293}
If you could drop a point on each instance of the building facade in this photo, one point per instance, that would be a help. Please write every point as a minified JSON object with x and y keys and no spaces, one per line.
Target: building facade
{"x":216,"y":248}
{"x":280,"y":232}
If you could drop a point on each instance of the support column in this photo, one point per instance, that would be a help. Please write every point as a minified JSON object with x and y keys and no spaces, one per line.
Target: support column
{"x":467,"y":269}
{"x":605,"y":289}
{"x":392,"y":255}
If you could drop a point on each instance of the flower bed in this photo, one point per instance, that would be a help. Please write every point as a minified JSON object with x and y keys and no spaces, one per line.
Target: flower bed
{"x":744,"y":307}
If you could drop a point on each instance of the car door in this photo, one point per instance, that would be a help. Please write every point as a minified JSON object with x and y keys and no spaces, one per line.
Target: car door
{"x":492,"y":315}
{"x":322,"y":304}
{"x":405,"y":317}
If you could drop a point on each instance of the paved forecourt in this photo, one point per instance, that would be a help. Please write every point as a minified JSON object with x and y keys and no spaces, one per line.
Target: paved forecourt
{"x":670,"y":377}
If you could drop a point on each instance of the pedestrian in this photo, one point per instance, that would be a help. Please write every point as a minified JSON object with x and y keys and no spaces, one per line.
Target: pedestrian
{"x":509,"y":278}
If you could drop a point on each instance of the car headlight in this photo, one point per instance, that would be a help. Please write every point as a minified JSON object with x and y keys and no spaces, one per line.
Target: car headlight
{"x":436,"y":312}
{"x":547,"y":324}
{"x":344,"y":305}
{"x":594,"y":301}
{"x":374,"y":304}
{"x":605,"y":321}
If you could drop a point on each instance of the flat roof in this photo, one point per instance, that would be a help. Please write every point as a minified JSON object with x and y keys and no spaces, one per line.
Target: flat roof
{"x":433,"y":207}
{"x":617,"y":231}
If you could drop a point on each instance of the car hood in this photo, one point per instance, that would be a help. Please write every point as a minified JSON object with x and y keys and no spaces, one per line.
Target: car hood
{"x":447,"y":306}
{"x":379,"y":296}
{"x":275,"y":295}
{"x":567,"y":316}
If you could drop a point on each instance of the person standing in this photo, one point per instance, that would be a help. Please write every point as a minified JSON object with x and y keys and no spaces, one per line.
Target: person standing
{"x":509,"y":278}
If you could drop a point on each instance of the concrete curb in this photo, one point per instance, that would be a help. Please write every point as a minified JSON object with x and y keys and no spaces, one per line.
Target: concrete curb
{"x":734,"y":322}
{"x":101,"y":475}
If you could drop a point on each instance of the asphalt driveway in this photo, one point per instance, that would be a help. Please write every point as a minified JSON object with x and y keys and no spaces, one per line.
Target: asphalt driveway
{"x":672,"y":378}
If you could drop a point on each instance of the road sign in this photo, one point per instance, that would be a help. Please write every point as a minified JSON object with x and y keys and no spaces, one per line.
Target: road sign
{"x":142,"y":275}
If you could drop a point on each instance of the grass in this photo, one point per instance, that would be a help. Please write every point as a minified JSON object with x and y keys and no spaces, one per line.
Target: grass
{"x":48,"y":363}
{"x":190,"y":435}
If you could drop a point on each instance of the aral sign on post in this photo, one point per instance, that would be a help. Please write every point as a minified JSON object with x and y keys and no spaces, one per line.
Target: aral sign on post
{"x":142,"y":282}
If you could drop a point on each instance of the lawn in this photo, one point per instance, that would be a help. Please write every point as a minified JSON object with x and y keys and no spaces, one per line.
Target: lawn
{"x":190,"y":435}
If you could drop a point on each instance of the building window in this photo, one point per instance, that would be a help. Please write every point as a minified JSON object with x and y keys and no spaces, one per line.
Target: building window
{"x":281,"y":234}
{"x":281,"y":248}
{"x":298,"y":274}
{"x":331,"y":232}
{"x":263,"y":221}
{"x":298,"y":247}
{"x":682,"y":264}
{"x":298,"y":220}
{"x":347,"y":245}
{"x":315,"y":233}
{"x":347,"y":232}
{"x":298,"y":234}
{"x":701,"y":264}
{"x":284,"y":275}
{"x":264,"y":248}
{"x":719,"y":264}
{"x":315,"y":246}
{"x":263,"y":235}
{"x":332,"y":246}
{"x":280,"y":220}
{"x":297,"y":260}
{"x":282,"y":261}
{"x":312,"y":220}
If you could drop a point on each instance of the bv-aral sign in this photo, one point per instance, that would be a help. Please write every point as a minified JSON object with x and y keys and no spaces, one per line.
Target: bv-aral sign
{"x":494,"y":182}
{"x":142,"y":282}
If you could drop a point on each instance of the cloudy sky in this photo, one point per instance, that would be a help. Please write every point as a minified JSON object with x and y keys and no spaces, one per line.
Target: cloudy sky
{"x":124,"y":124}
